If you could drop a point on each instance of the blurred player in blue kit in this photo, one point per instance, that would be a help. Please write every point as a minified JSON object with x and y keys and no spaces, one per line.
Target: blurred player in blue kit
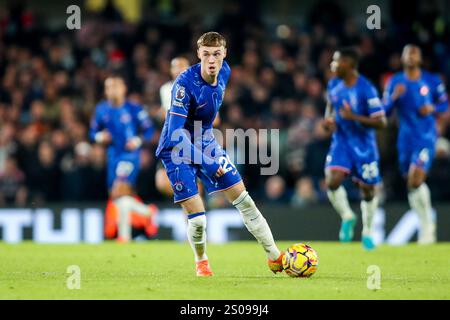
{"x":419,"y":97}
{"x":122,"y":126}
{"x":197,"y":95}
{"x":354,"y":110}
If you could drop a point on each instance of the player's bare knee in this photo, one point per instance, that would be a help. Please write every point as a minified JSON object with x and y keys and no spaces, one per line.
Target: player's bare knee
{"x":333,"y":182}
{"x":192,"y":205}
{"x":367,"y":192}
{"x":235,"y":192}
{"x":121,"y":189}
{"x":414,"y":183}
{"x":415,"y":179}
{"x":334,"y":179}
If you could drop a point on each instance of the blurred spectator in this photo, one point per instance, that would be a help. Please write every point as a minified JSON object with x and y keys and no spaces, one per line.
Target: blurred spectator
{"x":304,"y":193}
{"x":12,"y":185}
{"x":276,"y":190}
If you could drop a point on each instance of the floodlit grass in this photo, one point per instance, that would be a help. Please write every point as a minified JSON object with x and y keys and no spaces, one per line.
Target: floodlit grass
{"x":165,"y":270}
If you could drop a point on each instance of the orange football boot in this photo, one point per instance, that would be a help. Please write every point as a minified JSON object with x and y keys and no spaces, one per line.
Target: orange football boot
{"x":276,"y":265}
{"x":203,"y":269}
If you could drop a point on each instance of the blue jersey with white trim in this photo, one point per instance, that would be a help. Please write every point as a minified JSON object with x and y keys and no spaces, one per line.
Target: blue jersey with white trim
{"x":364,"y":100}
{"x":193,"y":99}
{"x":123,"y":123}
{"x":428,"y":89}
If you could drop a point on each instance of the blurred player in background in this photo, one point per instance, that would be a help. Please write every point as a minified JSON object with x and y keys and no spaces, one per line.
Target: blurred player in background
{"x":420,"y":97}
{"x":197,"y":95}
{"x":177,"y":66}
{"x":122,"y":127}
{"x":354,"y":110}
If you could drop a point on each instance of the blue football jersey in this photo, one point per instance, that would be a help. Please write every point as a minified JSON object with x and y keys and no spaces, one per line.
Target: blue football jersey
{"x":364,"y":100}
{"x":123,"y":123}
{"x":429,"y":89}
{"x":195,"y":100}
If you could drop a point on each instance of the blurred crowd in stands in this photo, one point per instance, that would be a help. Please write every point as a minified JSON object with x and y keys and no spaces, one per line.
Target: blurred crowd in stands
{"x":52,"y":79}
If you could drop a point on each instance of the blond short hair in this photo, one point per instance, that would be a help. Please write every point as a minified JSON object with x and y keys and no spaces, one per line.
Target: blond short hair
{"x":211,"y":39}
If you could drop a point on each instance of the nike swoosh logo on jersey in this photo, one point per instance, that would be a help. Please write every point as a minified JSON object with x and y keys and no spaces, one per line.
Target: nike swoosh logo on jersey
{"x":199,"y":107}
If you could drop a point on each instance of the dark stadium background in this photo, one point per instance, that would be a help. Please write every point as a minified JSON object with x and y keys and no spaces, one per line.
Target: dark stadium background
{"x":279,"y":51}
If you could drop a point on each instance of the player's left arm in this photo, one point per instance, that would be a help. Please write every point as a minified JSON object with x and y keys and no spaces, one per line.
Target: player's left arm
{"x":376,"y":117}
{"x":440,"y":96}
{"x":145,"y":128}
{"x":441,"y":103}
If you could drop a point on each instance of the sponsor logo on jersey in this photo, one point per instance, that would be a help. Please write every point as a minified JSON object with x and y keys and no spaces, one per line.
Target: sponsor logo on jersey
{"x":178,"y":104}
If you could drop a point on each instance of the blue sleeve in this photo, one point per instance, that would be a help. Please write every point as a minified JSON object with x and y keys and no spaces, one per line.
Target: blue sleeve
{"x":440,"y":97}
{"x":145,"y":123}
{"x":96,"y":124}
{"x":374,"y":106}
{"x":387,"y":100}
{"x":226,"y":71}
{"x":178,"y":114}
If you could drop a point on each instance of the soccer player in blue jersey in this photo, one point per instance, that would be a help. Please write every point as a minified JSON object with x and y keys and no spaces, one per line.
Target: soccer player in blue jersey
{"x":122,"y":126}
{"x":353,"y":112}
{"x":419,"y":97}
{"x":197,"y":94}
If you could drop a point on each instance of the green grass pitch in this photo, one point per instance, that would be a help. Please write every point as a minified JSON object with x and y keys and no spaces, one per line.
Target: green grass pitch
{"x":165,"y":270}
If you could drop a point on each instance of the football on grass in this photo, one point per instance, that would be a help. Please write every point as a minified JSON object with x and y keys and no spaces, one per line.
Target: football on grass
{"x":300,"y":260}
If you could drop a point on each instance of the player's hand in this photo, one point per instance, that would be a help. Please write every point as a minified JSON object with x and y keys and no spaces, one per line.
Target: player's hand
{"x":220,"y":172}
{"x":399,"y":90}
{"x":133,"y":144}
{"x":329,"y":124}
{"x":346,"y":111}
{"x":426,"y":110}
{"x":103,"y":137}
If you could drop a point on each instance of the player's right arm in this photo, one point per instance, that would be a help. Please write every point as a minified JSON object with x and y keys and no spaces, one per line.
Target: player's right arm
{"x":392,"y":92}
{"x":97,"y":131}
{"x":329,"y":122}
{"x":329,"y":119}
{"x":178,"y":111}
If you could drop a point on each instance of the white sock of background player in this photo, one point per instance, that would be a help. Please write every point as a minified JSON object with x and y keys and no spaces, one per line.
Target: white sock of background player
{"x":420,"y":201}
{"x":368,"y":210}
{"x":339,"y":201}
{"x":126,"y":205}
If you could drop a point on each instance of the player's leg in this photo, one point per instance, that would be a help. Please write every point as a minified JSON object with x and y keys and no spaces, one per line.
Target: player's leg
{"x":124,"y":174}
{"x":367,"y":174}
{"x":162,"y":182}
{"x":338,"y":166}
{"x":183,"y":180}
{"x":414,"y":165}
{"x":420,"y":201}
{"x":196,"y":233}
{"x":369,"y":205}
{"x":256,"y":223}
{"x":122,"y":195}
